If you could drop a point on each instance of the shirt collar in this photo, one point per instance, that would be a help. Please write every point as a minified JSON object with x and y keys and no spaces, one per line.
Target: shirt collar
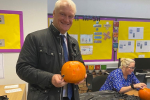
{"x":64,"y":34}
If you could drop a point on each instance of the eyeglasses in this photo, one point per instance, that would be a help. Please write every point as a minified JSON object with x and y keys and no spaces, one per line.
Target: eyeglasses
{"x":131,"y":68}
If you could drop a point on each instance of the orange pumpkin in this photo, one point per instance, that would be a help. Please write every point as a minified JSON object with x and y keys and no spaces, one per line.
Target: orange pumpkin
{"x":144,"y":94}
{"x":73,"y":71}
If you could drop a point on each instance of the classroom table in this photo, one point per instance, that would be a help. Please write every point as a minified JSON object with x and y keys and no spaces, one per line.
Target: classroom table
{"x":132,"y":92}
{"x":21,"y":95}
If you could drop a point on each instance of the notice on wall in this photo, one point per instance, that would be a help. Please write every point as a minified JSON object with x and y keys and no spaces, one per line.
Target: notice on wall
{"x":86,"y":50}
{"x":1,"y":67}
{"x":136,"y":32}
{"x":126,"y":46}
{"x":74,"y":36}
{"x":143,"y":46}
{"x":85,"y":39}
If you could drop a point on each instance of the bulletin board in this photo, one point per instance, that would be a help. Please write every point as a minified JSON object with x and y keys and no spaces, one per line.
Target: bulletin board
{"x":124,"y":25}
{"x":11,"y":34}
{"x":102,"y":48}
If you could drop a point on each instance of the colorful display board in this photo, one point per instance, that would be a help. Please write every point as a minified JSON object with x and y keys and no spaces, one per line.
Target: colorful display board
{"x":94,"y":37}
{"x":110,"y":38}
{"x":11,"y":34}
{"x":134,"y":36}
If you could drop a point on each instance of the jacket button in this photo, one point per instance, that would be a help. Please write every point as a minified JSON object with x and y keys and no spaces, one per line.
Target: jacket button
{"x":45,"y":91}
{"x":75,"y":89}
{"x":40,"y":50}
{"x":58,"y":90}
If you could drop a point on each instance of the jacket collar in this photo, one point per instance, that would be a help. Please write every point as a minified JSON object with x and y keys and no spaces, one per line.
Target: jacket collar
{"x":55,"y":32}
{"x":71,"y":40}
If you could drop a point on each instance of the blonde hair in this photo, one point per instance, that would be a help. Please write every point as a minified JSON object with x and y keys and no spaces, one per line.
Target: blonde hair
{"x":68,"y":2}
{"x":126,"y":62}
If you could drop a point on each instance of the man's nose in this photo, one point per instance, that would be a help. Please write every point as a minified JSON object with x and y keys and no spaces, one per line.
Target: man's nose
{"x":67,"y":19}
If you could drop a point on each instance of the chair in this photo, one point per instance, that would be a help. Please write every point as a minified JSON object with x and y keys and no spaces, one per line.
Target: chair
{"x":89,"y":80}
{"x":119,"y":62}
{"x":142,"y":78}
{"x":98,"y":81}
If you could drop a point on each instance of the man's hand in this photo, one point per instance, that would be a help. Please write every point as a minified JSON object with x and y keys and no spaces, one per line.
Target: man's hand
{"x":82,"y":80}
{"x":58,"y":81}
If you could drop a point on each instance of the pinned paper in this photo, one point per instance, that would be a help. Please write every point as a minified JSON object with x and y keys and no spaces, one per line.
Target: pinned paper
{"x":84,"y":38}
{"x":74,"y":36}
{"x":115,"y":34}
{"x":141,"y":56}
{"x":86,"y":50}
{"x":115,"y":46}
{"x":97,"y":41}
{"x":2,"y":21}
{"x":97,"y":37}
{"x":136,"y":32}
{"x":107,"y":25}
{"x":116,"y":24}
{"x":2,"y":42}
{"x":97,"y":33}
{"x":50,"y":21}
{"x":97,"y":25}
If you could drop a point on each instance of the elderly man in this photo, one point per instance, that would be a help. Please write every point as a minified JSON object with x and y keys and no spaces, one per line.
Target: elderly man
{"x":43,"y":54}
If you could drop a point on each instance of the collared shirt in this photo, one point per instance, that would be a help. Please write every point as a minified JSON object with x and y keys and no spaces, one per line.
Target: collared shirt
{"x":65,"y":39}
{"x":115,"y":81}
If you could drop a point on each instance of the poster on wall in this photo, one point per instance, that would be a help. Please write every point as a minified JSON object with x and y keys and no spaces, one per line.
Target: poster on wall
{"x":50,"y":21}
{"x":86,"y":50}
{"x":74,"y":36}
{"x":2,"y":21}
{"x":11,"y":31}
{"x":136,"y":32}
{"x":85,"y":39}
{"x":143,"y":46}
{"x":126,"y":46}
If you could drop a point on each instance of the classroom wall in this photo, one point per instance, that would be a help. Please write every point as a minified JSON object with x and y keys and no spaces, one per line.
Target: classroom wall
{"x":112,"y":8}
{"x":117,"y":8}
{"x":34,"y":18}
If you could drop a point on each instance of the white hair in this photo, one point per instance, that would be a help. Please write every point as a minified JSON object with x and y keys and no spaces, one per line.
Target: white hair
{"x":125,"y":62}
{"x":68,"y":2}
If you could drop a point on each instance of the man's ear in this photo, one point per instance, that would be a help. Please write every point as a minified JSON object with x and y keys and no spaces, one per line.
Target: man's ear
{"x":53,"y":13}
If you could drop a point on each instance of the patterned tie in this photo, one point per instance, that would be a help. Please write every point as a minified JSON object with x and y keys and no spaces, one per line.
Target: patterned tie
{"x":66,"y":59}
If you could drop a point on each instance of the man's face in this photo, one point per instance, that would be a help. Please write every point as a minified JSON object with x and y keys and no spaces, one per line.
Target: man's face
{"x":63,"y":18}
